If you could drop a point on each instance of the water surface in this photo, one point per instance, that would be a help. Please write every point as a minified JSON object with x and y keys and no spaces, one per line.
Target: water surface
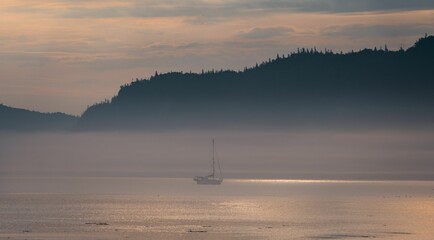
{"x":177,"y":208}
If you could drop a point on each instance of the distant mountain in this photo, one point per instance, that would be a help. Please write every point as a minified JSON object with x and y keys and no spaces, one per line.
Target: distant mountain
{"x":24,"y":120}
{"x":308,"y":88}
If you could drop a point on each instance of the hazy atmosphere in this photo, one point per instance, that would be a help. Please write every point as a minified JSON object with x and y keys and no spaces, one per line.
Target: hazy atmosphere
{"x":315,"y":89}
{"x":216,"y":119}
{"x":65,"y":55}
{"x":290,"y":155}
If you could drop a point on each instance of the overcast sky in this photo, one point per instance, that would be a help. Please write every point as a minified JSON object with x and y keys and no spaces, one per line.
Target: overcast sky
{"x":64,"y":55}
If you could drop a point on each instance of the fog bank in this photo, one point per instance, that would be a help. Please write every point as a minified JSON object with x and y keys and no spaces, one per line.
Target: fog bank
{"x":305,"y":155}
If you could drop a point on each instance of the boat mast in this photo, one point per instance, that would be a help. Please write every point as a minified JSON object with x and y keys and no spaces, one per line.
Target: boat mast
{"x":213,"y":162}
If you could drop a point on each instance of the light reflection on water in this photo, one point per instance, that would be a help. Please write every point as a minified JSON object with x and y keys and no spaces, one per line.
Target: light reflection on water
{"x":160,"y":208}
{"x":293,"y":181}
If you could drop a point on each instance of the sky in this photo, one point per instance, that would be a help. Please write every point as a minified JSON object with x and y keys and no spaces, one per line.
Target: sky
{"x":63,"y":55}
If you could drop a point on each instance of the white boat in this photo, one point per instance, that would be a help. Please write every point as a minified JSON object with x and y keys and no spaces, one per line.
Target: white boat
{"x":211,"y":179}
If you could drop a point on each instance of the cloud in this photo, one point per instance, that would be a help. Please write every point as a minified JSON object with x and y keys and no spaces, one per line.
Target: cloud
{"x":236,"y":8}
{"x":349,"y":6}
{"x":206,"y":10}
{"x":262,"y":33}
{"x":361,"y":30}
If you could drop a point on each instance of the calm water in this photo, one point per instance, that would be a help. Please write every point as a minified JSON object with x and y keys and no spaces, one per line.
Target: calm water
{"x":157,"y":208}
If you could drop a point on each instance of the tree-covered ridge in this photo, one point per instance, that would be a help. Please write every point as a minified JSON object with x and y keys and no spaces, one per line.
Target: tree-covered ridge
{"x":376,"y":84}
{"x":24,"y":120}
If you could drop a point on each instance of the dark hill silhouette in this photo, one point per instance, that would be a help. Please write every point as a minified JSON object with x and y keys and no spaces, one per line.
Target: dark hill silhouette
{"x":308,"y":88}
{"x":24,"y":120}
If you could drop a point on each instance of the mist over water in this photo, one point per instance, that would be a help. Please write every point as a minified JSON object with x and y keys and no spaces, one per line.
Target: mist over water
{"x":262,"y":154}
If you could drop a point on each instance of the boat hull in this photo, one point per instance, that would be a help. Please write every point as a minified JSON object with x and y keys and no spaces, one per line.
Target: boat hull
{"x":208,"y":181}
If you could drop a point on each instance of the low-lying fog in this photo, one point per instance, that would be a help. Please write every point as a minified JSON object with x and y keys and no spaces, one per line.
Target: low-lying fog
{"x":311,"y":155}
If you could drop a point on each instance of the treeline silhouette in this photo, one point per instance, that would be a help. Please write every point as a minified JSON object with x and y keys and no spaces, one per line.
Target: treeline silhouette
{"x":16,"y":119}
{"x":311,"y":88}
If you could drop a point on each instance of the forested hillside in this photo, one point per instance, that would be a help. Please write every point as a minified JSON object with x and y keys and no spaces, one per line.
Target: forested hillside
{"x":311,"y":88}
{"x":16,"y":119}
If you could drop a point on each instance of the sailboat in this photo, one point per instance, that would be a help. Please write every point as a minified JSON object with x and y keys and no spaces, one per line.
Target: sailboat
{"x":211,"y":179}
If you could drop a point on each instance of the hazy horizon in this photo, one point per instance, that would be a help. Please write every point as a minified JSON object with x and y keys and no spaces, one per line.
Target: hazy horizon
{"x":266,"y":154}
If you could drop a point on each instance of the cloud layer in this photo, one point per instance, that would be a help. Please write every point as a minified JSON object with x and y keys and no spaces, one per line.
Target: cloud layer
{"x":208,"y":9}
